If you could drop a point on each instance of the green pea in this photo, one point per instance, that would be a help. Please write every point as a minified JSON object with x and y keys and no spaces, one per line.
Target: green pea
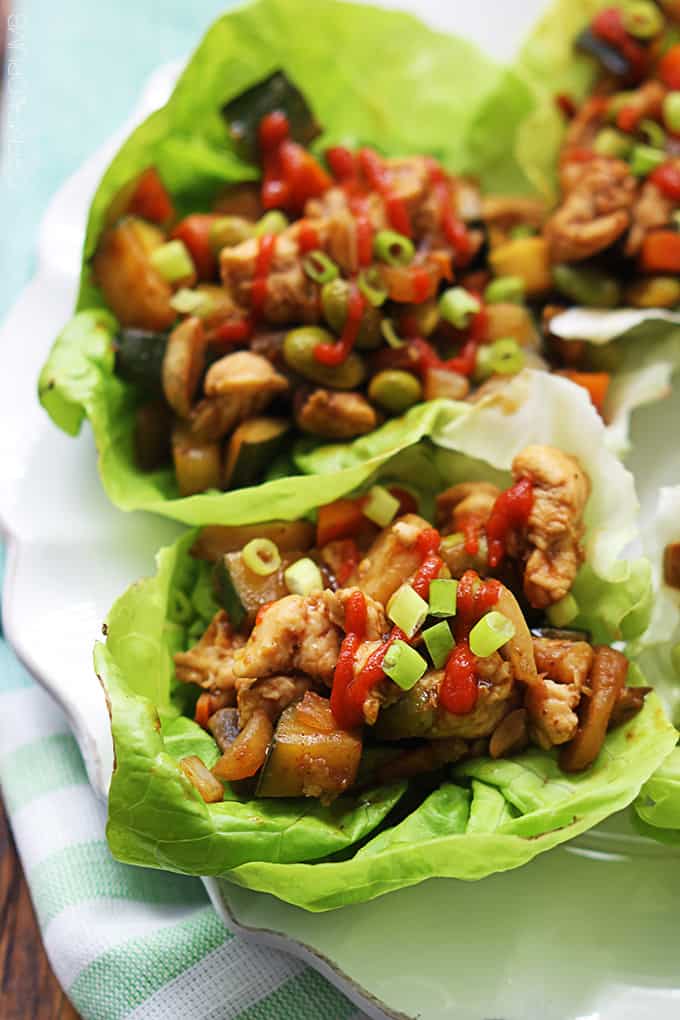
{"x":587,"y":286}
{"x":610,"y":142}
{"x":642,"y":19}
{"x":228,"y":231}
{"x":298,"y":352}
{"x":395,"y":391}
{"x":334,"y":299}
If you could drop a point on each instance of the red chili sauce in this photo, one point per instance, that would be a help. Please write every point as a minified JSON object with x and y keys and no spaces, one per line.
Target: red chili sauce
{"x":337,"y":353}
{"x":510,"y":511}
{"x":265,"y":256}
{"x":459,"y":689}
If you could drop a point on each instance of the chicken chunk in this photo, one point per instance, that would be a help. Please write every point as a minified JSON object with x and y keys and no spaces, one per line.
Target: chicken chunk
{"x":652,"y":209}
{"x":210,"y":663}
{"x":555,"y":526}
{"x":376,"y":621}
{"x":563,"y":668}
{"x":503,"y":212}
{"x":237,"y":387}
{"x":335,"y":415}
{"x":595,"y":211}
{"x":291,"y":296}
{"x":294,"y":635}
{"x":392,"y":559}
{"x":271,"y":695}
{"x":464,"y":502}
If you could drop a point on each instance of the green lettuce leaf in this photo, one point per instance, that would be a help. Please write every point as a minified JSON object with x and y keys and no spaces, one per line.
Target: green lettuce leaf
{"x":491,"y":815}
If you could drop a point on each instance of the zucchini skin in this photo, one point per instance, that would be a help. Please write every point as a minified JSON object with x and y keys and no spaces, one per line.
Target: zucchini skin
{"x":139,"y":359}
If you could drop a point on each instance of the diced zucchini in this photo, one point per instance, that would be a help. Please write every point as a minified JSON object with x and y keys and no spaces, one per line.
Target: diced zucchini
{"x":309,"y":755}
{"x":217,"y":539}
{"x":252,"y":447}
{"x":198,"y":465}
{"x":413,"y":715}
{"x":139,"y":359}
{"x":242,"y":592}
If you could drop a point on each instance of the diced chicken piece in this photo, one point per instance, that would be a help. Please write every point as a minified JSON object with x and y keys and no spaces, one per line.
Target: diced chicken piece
{"x":392,"y":559}
{"x":291,"y":296}
{"x":606,"y":684}
{"x":496,"y":698}
{"x":652,"y":209}
{"x":563,"y":667}
{"x":503,"y":212}
{"x":183,"y":365}
{"x":464,"y":502}
{"x":555,"y":525}
{"x":237,"y":386}
{"x":595,"y":211}
{"x":581,"y":133}
{"x":335,"y":415}
{"x":294,"y":635}
{"x":271,"y":695}
{"x":210,"y":662}
{"x":376,"y":621}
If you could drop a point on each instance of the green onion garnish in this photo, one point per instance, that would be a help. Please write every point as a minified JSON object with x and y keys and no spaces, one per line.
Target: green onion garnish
{"x":490,"y":633}
{"x":443,"y":593}
{"x":319,"y":267}
{"x":388,"y":331}
{"x":505,"y":289}
{"x":273,"y":222}
{"x":180,"y":609}
{"x":439,"y":643}
{"x":380,"y":506}
{"x":303,"y":577}
{"x":261,"y":556}
{"x":228,"y":231}
{"x":457,"y":305}
{"x":671,"y":111}
{"x":644,"y":159}
{"x":502,"y":357}
{"x":563,"y":612}
{"x":393,"y":248}
{"x":172,"y":261}
{"x":371,"y":286}
{"x":610,"y":142}
{"x":407,"y":610}
{"x":403,"y":665}
{"x":190,"y":302}
{"x":451,"y":541}
{"x":653,"y":132}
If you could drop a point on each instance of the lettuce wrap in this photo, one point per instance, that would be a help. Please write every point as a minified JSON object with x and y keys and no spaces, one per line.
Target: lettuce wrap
{"x":420,"y":97}
{"x":489,"y":815}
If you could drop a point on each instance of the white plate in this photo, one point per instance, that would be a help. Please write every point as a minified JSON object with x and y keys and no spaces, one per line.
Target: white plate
{"x":584,"y":931}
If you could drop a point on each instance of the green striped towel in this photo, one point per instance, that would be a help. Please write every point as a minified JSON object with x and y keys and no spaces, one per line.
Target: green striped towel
{"x":126,"y":942}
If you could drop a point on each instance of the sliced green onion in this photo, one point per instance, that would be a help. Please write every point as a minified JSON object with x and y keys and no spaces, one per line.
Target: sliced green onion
{"x":380,"y":506}
{"x":653,"y":133}
{"x":563,"y":612}
{"x":228,"y":231}
{"x":393,"y":248}
{"x":505,"y":289}
{"x":443,"y":592}
{"x":439,"y":643}
{"x":262,"y":556}
{"x":522,"y":230}
{"x":180,"y":609}
{"x":644,"y":159}
{"x":502,"y":357}
{"x":319,"y":267}
{"x":303,"y":577}
{"x":490,"y":633}
{"x":371,"y":286}
{"x":642,"y":19}
{"x":407,"y":610}
{"x":450,"y":542}
{"x":403,"y":665}
{"x":610,"y":142}
{"x":196,"y":630}
{"x":388,"y":331}
{"x":202,"y":597}
{"x":457,"y":305}
{"x":671,"y":111}
{"x":172,"y":260}
{"x":273,"y":222}
{"x":190,"y":302}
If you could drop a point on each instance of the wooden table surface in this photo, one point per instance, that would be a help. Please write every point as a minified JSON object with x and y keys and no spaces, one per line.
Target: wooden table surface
{"x":28,"y":988}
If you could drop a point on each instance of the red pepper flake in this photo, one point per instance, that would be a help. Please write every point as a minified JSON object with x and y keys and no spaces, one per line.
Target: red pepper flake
{"x":511,"y":510}
{"x":667,"y":179}
{"x":265,"y":256}
{"x":375,"y":172}
{"x":459,"y":690}
{"x":422,"y":284}
{"x":308,"y":237}
{"x":234,"y":331}
{"x":337,"y":353}
{"x":342,"y":162}
{"x":344,"y":711}
{"x":274,"y":129}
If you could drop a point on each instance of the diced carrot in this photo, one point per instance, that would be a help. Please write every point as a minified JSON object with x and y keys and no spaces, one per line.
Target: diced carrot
{"x":341,"y":519}
{"x":669,"y":67}
{"x":194,"y":231}
{"x":661,"y":252}
{"x":150,"y":199}
{"x":596,"y":383}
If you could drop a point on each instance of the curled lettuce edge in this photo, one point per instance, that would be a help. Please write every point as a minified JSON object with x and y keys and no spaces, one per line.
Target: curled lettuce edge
{"x":489,"y":817}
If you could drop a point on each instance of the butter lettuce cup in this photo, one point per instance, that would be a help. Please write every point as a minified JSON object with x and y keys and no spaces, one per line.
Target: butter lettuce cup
{"x":416,"y":674}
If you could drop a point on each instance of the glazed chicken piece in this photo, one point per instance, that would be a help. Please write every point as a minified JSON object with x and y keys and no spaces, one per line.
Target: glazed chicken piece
{"x":595,"y":211}
{"x":563,"y":668}
{"x":271,"y":695}
{"x":238,"y":386}
{"x":652,"y":209}
{"x":503,"y":212}
{"x":465,"y":504}
{"x":210,"y":663}
{"x":291,"y":296}
{"x":555,"y":526}
{"x":377,"y":624}
{"x":335,"y":415}
{"x":392,"y":559}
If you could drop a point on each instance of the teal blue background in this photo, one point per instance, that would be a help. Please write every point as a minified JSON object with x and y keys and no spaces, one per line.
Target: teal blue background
{"x":76,"y":76}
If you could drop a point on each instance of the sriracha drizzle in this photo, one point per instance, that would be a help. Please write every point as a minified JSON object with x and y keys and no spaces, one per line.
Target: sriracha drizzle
{"x":511,"y":510}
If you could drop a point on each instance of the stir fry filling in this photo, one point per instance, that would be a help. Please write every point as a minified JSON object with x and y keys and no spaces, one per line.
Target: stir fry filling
{"x":374,"y":646}
{"x":346,"y":286}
